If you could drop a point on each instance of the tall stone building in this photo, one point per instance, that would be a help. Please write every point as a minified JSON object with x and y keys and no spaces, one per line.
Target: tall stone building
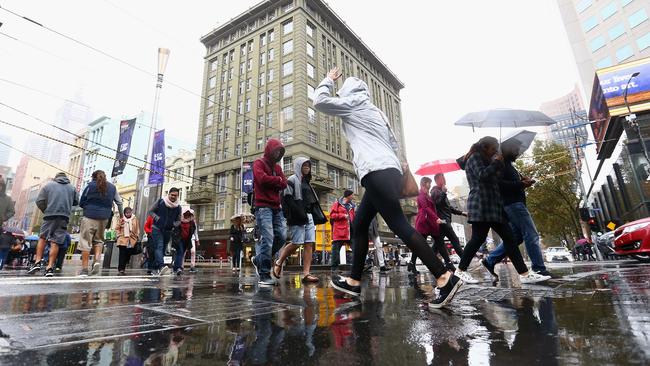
{"x":260,"y":72}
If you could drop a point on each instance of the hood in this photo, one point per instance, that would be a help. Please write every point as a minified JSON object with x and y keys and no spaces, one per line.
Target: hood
{"x":187,"y":209}
{"x":353,"y":85}
{"x":461,"y":162}
{"x":271,"y":146}
{"x":297,"y":167}
{"x":62,"y":179}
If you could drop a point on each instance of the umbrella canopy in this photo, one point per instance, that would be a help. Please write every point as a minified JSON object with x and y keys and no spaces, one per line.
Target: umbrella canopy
{"x":438,"y":166}
{"x":521,"y":140}
{"x":505,"y":118}
{"x":246,"y":218}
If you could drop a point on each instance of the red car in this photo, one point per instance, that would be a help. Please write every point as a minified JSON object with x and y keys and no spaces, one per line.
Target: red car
{"x":633,"y":239}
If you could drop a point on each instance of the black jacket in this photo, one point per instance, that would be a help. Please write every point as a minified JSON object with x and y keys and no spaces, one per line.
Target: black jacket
{"x":236,"y":235}
{"x":443,"y":207}
{"x":510,"y":185}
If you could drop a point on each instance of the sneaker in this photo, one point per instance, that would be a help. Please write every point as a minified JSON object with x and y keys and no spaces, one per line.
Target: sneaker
{"x":257,"y":271}
{"x":35,"y":268}
{"x":384,"y":269}
{"x":149,"y":272}
{"x":466,"y":277}
{"x":94,"y":270}
{"x":447,"y":292}
{"x":49,"y":272}
{"x":121,"y":273}
{"x":533,"y":277}
{"x":164,"y":271}
{"x":450,"y":267}
{"x":83,"y":273}
{"x":192,"y":270}
{"x":266,"y":281}
{"x":490,"y":268}
{"x":179,"y":272}
{"x":340,"y":284}
{"x":57,"y":270}
{"x":545,"y":273}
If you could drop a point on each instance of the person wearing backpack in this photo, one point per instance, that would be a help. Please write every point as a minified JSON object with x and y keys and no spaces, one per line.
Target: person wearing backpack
{"x":298,"y":203}
{"x":341,"y":218}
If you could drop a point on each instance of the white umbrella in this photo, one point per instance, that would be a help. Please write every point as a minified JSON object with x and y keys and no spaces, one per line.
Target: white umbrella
{"x":246,"y":218}
{"x":521,"y":139}
{"x":505,"y":118}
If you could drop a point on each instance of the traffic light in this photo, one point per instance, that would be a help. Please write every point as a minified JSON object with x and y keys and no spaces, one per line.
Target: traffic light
{"x":593,"y":224}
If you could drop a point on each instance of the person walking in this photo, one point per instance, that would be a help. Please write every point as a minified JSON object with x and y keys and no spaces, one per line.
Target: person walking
{"x":166,"y":214}
{"x":268,"y":182}
{"x":128,"y":234}
{"x":341,"y":217}
{"x":298,"y":204}
{"x":97,"y":202}
{"x":482,"y":165}
{"x":6,"y":204}
{"x":380,"y":171}
{"x":427,"y":223}
{"x":55,"y":200}
{"x":188,"y":239}
{"x":445,"y":210}
{"x":380,"y":256}
{"x":512,"y":188}
{"x":236,"y":243}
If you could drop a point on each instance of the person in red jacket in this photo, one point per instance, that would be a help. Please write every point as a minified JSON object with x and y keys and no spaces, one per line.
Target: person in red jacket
{"x":427,"y":223}
{"x":268,"y":182}
{"x":341,"y":217}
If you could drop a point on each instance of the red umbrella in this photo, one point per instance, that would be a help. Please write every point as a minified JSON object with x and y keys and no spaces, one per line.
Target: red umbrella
{"x":438,"y":166}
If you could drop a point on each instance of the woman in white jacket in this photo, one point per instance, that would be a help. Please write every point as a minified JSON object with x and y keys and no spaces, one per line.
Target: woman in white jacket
{"x":379,"y":169}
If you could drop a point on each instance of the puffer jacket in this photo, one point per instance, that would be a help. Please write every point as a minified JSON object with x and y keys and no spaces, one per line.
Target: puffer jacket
{"x":340,"y":224}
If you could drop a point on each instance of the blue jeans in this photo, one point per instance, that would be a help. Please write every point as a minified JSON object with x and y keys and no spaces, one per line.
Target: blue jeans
{"x":159,"y":239}
{"x":524,"y":229}
{"x":271,"y":226}
{"x":180,"y":254}
{"x":4,"y":253}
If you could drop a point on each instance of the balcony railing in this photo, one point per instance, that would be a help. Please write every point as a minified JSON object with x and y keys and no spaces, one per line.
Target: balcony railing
{"x":200,"y":195}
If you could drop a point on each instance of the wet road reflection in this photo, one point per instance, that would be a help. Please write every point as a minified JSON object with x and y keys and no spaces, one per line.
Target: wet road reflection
{"x":595,"y":314}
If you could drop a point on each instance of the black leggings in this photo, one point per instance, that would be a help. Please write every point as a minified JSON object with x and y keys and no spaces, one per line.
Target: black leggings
{"x":479,"y":234}
{"x":382,"y":195}
{"x":447,"y":231}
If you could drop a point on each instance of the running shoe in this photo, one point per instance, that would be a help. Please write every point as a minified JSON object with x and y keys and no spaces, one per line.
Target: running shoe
{"x":266,"y":281}
{"x":57,"y":270}
{"x":533,"y":277}
{"x":466,"y":277}
{"x":83,"y":273}
{"x":121,"y":273}
{"x":340,"y":284}
{"x":35,"y":268}
{"x":49,"y":272}
{"x":490,"y":268}
{"x":164,"y":271}
{"x":447,"y":292}
{"x":94,"y":270}
{"x":179,"y":272}
{"x":545,"y":273}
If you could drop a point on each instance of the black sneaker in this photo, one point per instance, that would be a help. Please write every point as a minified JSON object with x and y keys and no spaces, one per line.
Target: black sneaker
{"x":49,"y":272}
{"x":447,"y":292}
{"x":192,"y":270}
{"x":340,"y":284}
{"x":546,"y":273}
{"x":179,"y":272}
{"x":490,"y":268}
{"x":121,"y":273}
{"x":35,"y":268}
{"x":450,"y":266}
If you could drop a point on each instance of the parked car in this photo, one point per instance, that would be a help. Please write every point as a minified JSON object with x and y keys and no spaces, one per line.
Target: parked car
{"x":558,"y":254}
{"x":633,"y":239}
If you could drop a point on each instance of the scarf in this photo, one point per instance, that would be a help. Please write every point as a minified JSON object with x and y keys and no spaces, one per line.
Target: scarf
{"x":127,"y":227}
{"x":169,"y":203}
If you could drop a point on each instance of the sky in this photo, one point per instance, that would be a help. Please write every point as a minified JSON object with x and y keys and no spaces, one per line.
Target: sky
{"x":454,"y":57}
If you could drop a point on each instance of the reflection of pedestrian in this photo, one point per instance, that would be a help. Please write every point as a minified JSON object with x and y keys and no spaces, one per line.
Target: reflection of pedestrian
{"x":128,"y":234}
{"x":373,"y":235}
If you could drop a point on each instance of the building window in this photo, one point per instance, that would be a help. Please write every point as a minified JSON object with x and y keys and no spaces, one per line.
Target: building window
{"x":287,"y":7}
{"x":207,"y":141}
{"x":230,"y":73}
{"x":262,"y":40}
{"x":262,"y":79}
{"x":222,"y":115}
{"x":206,"y":158}
{"x":248,"y":84}
{"x":624,"y":53}
{"x":224,"y":75}
{"x":287,"y":114}
{"x":220,"y":210}
{"x":247,"y":126}
{"x":250,"y":43}
{"x":271,"y":54}
{"x":263,"y":58}
{"x":624,"y":3}
{"x":605,"y":62}
{"x":259,"y":144}
{"x":310,"y":50}
{"x":287,"y":27}
{"x":240,"y":107}
{"x":242,"y":49}
{"x":333,"y":174}
{"x":310,"y":30}
{"x":248,"y":104}
{"x":219,"y":135}
{"x":287,"y":47}
{"x":287,"y":68}
{"x":589,"y":24}
{"x":271,"y":36}
{"x":269,"y":119}
{"x":597,"y":43}
{"x":286,"y":164}
{"x":643,"y":42}
{"x":311,"y":115}
{"x":310,"y":92}
{"x":213,"y":82}
{"x":638,"y":18}
{"x":237,"y":149}
{"x":286,"y":136}
{"x":310,"y":71}
{"x":270,"y":75}
{"x":242,"y":85}
{"x":269,"y":96}
{"x":229,"y":92}
{"x":245,"y":151}
{"x":287,"y":90}
{"x":210,"y":100}
{"x":616,"y":31}
{"x":260,"y":100}
{"x":228,"y":110}
{"x":226,"y":133}
{"x":223,"y":95}
{"x":609,"y":10}
{"x":583,"y":5}
{"x":353,"y":184}
{"x":213,"y":65}
{"x":208,"y":120}
{"x":313,"y":137}
{"x":238,"y":128}
{"x":260,"y":122}
{"x":249,"y":65}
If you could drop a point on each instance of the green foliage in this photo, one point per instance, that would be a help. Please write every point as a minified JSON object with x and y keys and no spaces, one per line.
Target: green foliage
{"x":552,"y":200}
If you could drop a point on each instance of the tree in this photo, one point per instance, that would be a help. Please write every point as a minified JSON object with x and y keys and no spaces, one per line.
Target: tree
{"x":552,"y":200}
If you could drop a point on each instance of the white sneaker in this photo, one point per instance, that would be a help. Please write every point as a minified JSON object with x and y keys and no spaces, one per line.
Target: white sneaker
{"x":164,"y":271}
{"x":533,"y":277}
{"x":466,"y":277}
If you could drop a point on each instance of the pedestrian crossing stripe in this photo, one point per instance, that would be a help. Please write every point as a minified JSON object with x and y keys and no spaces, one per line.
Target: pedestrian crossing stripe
{"x":63,"y":280}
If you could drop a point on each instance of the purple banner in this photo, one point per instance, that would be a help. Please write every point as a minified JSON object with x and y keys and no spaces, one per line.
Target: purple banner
{"x":156,"y":176}
{"x":123,"y":146}
{"x":247,"y":178}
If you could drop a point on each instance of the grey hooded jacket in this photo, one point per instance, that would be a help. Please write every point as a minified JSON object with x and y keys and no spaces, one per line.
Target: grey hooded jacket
{"x":365,"y":126}
{"x":57,"y":197}
{"x":296,"y":179}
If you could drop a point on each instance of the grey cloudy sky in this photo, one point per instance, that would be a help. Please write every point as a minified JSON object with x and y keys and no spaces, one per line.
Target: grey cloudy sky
{"x":453,"y":56}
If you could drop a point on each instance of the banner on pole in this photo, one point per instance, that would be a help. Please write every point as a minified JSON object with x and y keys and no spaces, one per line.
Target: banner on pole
{"x":156,"y":176}
{"x":247,"y":178}
{"x":123,"y":146}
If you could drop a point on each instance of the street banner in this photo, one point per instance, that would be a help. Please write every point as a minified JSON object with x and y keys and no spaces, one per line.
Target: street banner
{"x":156,"y":176}
{"x":247,"y":178}
{"x":123,"y":146}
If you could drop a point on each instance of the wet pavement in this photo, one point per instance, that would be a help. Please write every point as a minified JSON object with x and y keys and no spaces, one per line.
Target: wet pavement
{"x":594,"y":313}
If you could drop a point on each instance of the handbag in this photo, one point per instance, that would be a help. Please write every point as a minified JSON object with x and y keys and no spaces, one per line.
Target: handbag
{"x":317,"y":213}
{"x":137,"y":248}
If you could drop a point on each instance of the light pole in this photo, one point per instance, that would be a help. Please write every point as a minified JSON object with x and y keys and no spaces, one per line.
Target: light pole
{"x":631,"y":117}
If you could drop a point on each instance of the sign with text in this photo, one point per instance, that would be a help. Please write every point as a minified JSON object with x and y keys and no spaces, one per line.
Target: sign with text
{"x":247,"y":178}
{"x":156,"y":176}
{"x":123,"y":146}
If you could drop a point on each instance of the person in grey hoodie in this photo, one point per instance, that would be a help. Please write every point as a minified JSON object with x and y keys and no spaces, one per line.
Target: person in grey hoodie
{"x":298,"y":203}
{"x":375,"y":150}
{"x":6,"y":204}
{"x":55,"y":200}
